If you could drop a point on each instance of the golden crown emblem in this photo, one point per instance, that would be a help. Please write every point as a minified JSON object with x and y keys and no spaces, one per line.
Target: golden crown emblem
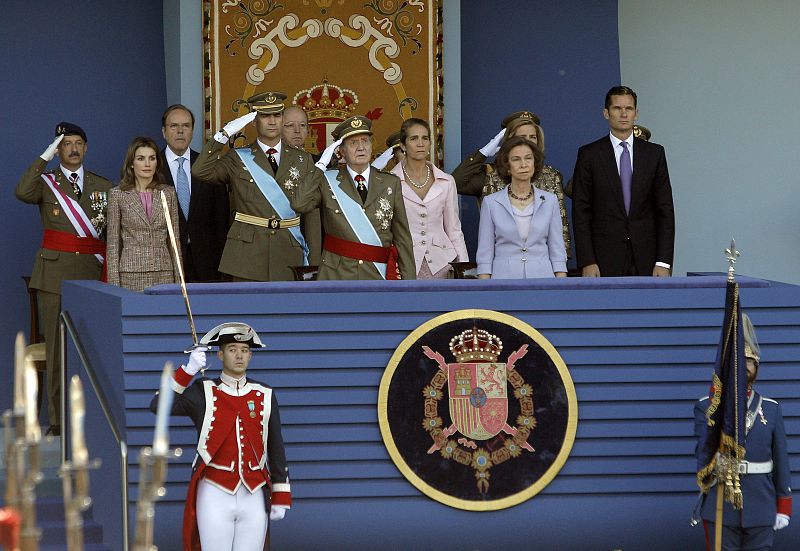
{"x":476,"y":344}
{"x":326,"y":102}
{"x":637,"y":132}
{"x":356,"y":123}
{"x":271,"y":99}
{"x":526,"y":115}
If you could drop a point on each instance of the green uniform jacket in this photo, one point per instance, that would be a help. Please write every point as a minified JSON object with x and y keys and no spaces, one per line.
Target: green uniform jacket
{"x":254,"y":252}
{"x":385,"y":210}
{"x":52,"y":267}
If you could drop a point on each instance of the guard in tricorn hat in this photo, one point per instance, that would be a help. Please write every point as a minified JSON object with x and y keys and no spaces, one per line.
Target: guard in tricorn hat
{"x":765,"y":476}
{"x":267,"y":237}
{"x":72,"y":205}
{"x":240,"y":479}
{"x":362,"y":210}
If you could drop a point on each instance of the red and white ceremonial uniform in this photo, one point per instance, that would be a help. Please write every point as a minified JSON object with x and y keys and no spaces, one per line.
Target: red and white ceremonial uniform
{"x":240,"y":454}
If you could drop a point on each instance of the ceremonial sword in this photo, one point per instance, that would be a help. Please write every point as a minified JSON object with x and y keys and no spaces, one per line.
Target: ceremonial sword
{"x":177,"y":257}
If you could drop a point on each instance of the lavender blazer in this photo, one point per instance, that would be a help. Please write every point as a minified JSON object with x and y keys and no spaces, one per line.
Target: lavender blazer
{"x":434,"y":223}
{"x":501,"y":251}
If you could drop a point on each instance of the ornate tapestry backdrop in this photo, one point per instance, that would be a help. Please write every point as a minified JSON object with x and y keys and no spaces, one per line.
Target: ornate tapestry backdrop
{"x":334,"y":58}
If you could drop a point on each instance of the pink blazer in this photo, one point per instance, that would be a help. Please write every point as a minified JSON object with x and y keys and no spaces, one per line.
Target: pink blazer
{"x":434,"y":222}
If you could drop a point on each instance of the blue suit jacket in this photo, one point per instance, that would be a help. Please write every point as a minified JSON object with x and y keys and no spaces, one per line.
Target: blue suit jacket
{"x":760,"y":492}
{"x":501,"y":251}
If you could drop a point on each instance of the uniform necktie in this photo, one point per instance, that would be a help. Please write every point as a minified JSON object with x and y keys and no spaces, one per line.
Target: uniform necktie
{"x":626,"y":176}
{"x":362,"y":188}
{"x":271,"y":157}
{"x":182,"y":188}
{"x":75,"y":187}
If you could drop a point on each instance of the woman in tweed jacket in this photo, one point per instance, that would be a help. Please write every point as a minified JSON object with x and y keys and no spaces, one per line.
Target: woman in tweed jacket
{"x":138,"y":248}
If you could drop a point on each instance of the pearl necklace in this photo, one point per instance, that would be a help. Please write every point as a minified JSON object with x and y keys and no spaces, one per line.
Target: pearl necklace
{"x":427,"y":177}
{"x":513,"y":196}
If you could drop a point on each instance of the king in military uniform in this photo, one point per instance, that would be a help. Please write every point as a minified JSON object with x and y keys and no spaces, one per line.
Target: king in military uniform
{"x":267,"y":236}
{"x":240,"y":480}
{"x":362,"y":210}
{"x":72,"y":205}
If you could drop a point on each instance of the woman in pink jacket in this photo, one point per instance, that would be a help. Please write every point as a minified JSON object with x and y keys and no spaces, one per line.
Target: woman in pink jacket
{"x":431,"y":204}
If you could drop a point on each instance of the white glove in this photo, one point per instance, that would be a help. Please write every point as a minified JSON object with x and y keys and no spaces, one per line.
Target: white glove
{"x":277,"y":512}
{"x":327,"y":155}
{"x":50,"y":152}
{"x":781,"y":521}
{"x":197,"y":360}
{"x":491,"y":148}
{"x":234,"y":126}
{"x":383,"y":159}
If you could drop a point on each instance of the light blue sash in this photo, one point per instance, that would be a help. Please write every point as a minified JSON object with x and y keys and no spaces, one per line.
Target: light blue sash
{"x":356,"y":217}
{"x":274,"y":195}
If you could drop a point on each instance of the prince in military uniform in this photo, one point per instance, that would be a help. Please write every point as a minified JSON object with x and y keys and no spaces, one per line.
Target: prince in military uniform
{"x":362,"y":210}
{"x":240,"y":480}
{"x":765,"y":476}
{"x":72,"y":205}
{"x":266,"y":237}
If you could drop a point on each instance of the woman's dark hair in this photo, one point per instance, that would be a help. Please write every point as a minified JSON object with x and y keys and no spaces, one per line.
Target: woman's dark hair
{"x":408,"y":123}
{"x":502,"y":158}
{"x":128,"y":179}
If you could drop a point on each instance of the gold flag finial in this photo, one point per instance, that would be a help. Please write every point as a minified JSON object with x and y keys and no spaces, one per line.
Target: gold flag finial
{"x":732,"y":254}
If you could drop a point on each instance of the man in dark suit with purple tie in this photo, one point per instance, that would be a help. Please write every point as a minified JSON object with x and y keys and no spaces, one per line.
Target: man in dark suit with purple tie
{"x":622,"y":210}
{"x":204,"y":215}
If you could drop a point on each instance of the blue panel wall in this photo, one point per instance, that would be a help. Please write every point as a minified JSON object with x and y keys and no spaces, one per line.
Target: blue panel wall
{"x":556,"y":58}
{"x":96,"y":63}
{"x":639,"y":350}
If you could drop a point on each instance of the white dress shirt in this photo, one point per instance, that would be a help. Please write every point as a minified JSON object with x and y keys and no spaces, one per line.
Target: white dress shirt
{"x":365,"y":174}
{"x":173,"y":164}
{"x":277,"y":147}
{"x":68,"y":172}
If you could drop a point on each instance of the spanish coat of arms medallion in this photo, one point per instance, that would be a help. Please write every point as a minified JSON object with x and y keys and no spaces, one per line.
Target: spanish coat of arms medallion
{"x":478,"y":410}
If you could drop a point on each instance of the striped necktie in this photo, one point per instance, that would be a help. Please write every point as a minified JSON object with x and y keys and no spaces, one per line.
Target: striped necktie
{"x":182,"y":188}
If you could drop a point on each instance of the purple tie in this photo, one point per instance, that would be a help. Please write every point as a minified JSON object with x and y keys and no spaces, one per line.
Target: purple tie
{"x":626,"y":176}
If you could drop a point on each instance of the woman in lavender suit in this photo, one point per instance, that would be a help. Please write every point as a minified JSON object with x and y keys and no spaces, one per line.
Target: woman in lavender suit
{"x":520,"y":233}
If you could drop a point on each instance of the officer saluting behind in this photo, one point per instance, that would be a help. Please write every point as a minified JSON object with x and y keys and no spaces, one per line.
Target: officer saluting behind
{"x":240,"y":479}
{"x":765,"y":476}
{"x":72,"y":205}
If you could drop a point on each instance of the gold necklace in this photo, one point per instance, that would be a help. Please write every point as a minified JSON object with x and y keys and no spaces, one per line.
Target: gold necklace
{"x":513,"y":196}
{"x":427,"y":177}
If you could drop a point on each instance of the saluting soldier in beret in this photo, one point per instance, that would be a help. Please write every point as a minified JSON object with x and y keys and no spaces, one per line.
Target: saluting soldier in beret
{"x":765,"y":475}
{"x":72,"y":205}
{"x":362,"y":210}
{"x":266,"y":236}
{"x":240,"y":478}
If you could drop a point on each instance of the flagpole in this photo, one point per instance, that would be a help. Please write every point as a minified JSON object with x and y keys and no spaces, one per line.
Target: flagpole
{"x":718,"y":520}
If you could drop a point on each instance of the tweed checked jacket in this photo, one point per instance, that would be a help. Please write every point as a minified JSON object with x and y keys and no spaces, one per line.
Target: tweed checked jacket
{"x":136,"y":244}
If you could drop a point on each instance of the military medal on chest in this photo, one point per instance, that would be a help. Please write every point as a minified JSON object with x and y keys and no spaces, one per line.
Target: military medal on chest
{"x":251,"y":405}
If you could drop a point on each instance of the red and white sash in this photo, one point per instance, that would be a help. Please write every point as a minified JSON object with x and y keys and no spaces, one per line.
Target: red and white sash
{"x":77,"y":216}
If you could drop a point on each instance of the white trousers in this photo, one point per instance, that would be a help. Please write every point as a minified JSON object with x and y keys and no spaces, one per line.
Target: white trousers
{"x":228,"y":522}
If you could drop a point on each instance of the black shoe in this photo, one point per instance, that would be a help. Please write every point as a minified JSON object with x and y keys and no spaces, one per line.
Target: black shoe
{"x":53,"y":430}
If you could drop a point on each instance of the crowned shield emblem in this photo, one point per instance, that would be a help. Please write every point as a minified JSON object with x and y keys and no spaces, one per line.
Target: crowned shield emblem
{"x":478,"y":398}
{"x":477,"y":410}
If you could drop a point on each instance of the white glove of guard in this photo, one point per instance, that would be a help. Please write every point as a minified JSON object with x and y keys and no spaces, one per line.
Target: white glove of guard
{"x":781,"y":521}
{"x":383,"y":159}
{"x":491,"y":148}
{"x":277,"y":512}
{"x":197,"y":360}
{"x":327,"y":155}
{"x":234,"y":126}
{"x":50,"y":152}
